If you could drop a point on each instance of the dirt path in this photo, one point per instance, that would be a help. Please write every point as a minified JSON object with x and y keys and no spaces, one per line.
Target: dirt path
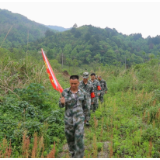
{"x":104,"y":153}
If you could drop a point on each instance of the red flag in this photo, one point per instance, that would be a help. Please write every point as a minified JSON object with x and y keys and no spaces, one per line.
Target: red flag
{"x":50,"y":72}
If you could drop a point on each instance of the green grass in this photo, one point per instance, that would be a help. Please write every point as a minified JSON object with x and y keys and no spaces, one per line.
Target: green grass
{"x":128,"y":120}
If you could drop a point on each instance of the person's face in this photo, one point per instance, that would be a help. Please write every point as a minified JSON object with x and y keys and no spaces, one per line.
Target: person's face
{"x":85,"y":80}
{"x":74,"y":83}
{"x":99,"y":78}
{"x":93,"y":77}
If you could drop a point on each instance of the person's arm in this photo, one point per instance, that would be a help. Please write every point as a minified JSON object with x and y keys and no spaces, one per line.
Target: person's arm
{"x":86,"y":108}
{"x":98,"y":90}
{"x":62,"y":101}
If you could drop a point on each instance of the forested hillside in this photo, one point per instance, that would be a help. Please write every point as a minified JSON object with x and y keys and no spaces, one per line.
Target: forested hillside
{"x":19,"y":28}
{"x":88,"y":44}
{"x":83,"y":45}
{"x":32,"y":124}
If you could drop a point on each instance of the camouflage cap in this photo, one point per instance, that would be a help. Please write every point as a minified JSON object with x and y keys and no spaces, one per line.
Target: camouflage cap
{"x":85,"y":75}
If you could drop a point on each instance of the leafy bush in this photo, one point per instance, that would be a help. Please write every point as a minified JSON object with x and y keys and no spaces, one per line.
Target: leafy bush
{"x":98,"y":114}
{"x":149,"y":133}
{"x":34,"y":93}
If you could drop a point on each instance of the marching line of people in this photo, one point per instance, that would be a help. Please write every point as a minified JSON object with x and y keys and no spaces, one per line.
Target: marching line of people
{"x":78,"y":100}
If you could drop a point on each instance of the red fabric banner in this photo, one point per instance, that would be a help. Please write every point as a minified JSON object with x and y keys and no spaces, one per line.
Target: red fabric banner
{"x":50,"y":72}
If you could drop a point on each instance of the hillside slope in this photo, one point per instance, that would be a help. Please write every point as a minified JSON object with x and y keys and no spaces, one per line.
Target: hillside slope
{"x":89,"y":44}
{"x":22,"y":29}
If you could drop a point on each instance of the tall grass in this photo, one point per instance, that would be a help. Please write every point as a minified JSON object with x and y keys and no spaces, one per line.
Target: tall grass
{"x":128,"y":119}
{"x":27,"y":151}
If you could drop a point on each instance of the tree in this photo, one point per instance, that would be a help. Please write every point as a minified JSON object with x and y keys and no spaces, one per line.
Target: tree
{"x":97,"y":57}
{"x":68,"y":62}
{"x":67,"y":49}
{"x":144,"y":54}
{"x":151,"y":55}
{"x":50,"y":54}
{"x":75,"y":25}
{"x":87,"y":36}
{"x":75,"y":64}
{"x":77,"y":34}
{"x":49,"y":33}
{"x":74,"y":52}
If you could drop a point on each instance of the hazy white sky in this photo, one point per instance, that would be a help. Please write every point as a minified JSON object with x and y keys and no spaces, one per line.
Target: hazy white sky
{"x":126,"y":16}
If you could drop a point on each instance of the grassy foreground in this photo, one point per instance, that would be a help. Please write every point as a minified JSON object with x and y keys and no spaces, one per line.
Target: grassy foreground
{"x":31,"y":124}
{"x":128,"y":120}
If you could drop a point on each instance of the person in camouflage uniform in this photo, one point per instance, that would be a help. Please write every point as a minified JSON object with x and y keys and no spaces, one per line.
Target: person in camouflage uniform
{"x":88,"y":87}
{"x":96,"y":77}
{"x":74,"y":99}
{"x":97,"y":89}
{"x":103,"y":88}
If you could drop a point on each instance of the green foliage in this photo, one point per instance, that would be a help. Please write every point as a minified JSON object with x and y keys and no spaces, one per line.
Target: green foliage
{"x":98,"y":114}
{"x":34,"y":94}
{"x":128,"y":120}
{"x":99,"y":146}
{"x":149,"y":133}
{"x":80,"y":45}
{"x":89,"y":44}
{"x":22,"y":32}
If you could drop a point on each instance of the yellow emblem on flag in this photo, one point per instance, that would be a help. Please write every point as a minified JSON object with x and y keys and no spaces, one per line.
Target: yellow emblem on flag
{"x":52,"y":81}
{"x":46,"y":65}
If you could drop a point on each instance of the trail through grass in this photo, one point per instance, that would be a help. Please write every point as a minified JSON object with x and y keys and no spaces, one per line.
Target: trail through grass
{"x":125,"y":125}
{"x":122,"y":127}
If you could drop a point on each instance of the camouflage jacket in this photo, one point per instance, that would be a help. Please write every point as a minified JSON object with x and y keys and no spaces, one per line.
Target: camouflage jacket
{"x":76,"y":107}
{"x":95,"y":83}
{"x":87,"y":87}
{"x":103,"y":85}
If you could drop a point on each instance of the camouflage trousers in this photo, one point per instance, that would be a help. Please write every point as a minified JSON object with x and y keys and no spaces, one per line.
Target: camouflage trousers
{"x":74,"y":135}
{"x":101,"y":96}
{"x":94,"y":106}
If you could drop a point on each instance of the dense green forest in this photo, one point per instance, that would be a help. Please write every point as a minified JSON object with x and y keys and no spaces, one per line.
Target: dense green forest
{"x":91,"y":45}
{"x":22,"y":29}
{"x":79,"y":45}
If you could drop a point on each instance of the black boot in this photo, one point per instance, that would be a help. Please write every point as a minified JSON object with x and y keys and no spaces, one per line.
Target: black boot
{"x":72,"y":155}
{"x":87,"y":123}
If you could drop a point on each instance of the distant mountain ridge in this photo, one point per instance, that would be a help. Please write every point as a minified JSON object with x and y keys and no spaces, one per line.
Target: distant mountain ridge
{"x":79,"y":45}
{"x":23,"y":30}
{"x":58,"y":28}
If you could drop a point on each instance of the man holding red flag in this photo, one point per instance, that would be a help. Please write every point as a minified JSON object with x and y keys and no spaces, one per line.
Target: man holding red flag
{"x":75,"y":101}
{"x":76,"y":104}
